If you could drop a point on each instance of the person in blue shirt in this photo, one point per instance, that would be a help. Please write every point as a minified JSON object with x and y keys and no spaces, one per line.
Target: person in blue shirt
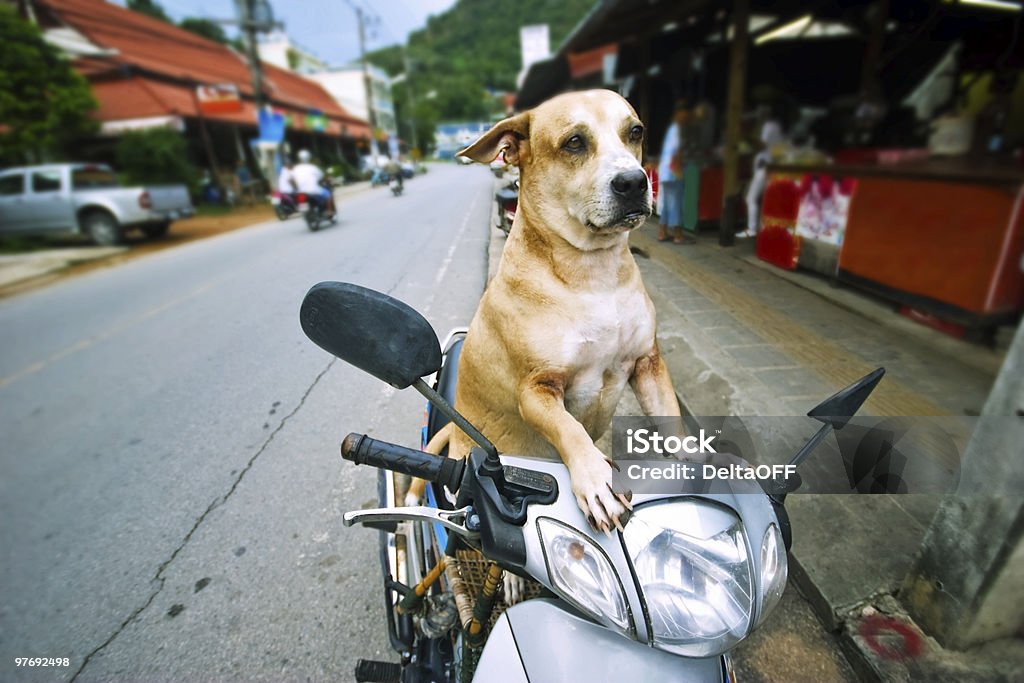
{"x":670,"y":178}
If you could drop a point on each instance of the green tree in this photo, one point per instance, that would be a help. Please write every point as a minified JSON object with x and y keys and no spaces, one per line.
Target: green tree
{"x":465,"y":52}
{"x":155,"y":155}
{"x":44,"y":104}
{"x":151,"y":8}
{"x":205,"y":28}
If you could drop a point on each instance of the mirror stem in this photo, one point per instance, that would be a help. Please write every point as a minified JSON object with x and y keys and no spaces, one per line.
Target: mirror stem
{"x":452,"y":415}
{"x":811,"y":444}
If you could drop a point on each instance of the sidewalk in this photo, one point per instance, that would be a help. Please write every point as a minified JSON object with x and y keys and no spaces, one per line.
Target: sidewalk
{"x":742,"y":339}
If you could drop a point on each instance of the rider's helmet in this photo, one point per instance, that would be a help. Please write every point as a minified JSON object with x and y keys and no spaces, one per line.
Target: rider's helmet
{"x":304,"y":156}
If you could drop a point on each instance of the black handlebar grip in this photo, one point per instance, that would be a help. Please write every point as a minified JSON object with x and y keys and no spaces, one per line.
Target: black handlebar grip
{"x":363,"y":450}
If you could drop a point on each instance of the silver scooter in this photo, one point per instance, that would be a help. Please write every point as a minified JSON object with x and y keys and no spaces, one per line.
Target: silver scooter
{"x":690,"y":576}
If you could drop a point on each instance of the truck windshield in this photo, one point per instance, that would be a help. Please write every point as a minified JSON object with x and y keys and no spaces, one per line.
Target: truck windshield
{"x":89,"y":177}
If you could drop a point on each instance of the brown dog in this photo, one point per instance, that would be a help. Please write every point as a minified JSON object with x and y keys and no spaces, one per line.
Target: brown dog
{"x":566,"y":322}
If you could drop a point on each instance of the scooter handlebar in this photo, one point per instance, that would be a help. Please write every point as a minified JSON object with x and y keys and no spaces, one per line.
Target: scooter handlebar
{"x":363,"y":450}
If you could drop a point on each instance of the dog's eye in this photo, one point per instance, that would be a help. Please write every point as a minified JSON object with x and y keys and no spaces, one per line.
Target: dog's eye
{"x":636,"y":133}
{"x":574,"y":144}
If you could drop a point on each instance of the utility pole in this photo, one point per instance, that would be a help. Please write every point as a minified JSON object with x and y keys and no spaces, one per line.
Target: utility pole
{"x":249,"y":26}
{"x":367,"y":82}
{"x":412,"y":103}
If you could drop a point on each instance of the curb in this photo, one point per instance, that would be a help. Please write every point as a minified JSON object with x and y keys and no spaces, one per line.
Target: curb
{"x":18,"y":269}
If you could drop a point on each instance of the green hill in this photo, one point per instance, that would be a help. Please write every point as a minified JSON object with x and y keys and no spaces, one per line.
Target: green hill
{"x":467,"y":55}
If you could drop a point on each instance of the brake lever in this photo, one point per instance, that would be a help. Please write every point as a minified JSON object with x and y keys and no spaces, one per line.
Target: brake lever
{"x":454,"y":520}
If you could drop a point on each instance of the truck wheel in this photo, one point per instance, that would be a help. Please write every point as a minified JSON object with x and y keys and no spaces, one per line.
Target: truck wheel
{"x":156,"y":230}
{"x":103,"y":228}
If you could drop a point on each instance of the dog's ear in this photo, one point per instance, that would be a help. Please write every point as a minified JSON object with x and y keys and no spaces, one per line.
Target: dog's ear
{"x":506,"y":137}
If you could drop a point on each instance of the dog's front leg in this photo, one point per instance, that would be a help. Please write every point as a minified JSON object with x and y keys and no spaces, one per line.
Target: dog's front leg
{"x":653,"y":388}
{"x":542,"y":406}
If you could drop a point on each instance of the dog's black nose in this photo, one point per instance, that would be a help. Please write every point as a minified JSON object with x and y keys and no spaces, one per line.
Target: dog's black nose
{"x":630,"y":184}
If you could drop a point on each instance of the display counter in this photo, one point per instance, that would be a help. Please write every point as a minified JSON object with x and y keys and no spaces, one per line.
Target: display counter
{"x":941,"y":237}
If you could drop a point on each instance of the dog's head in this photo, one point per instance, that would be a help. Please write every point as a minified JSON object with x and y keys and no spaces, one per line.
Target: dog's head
{"x":579,"y":158}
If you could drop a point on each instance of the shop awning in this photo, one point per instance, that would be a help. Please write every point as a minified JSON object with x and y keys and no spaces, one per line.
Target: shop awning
{"x":139,"y":98}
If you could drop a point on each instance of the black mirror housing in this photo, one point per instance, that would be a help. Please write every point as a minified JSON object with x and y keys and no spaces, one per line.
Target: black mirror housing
{"x":372,"y":331}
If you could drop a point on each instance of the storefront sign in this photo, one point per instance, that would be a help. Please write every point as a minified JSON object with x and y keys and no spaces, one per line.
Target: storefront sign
{"x":315,"y":120}
{"x":271,"y":126}
{"x":218,"y":99}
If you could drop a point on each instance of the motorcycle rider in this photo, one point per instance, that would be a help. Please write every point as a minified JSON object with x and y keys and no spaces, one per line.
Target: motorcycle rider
{"x":286,"y":179}
{"x":286,"y":183}
{"x":309,"y":180}
{"x":394,"y":171}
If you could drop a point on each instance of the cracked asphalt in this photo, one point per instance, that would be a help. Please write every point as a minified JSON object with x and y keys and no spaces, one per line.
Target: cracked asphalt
{"x":170,"y":486}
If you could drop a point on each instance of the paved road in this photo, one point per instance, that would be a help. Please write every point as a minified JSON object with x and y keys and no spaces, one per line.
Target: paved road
{"x":170,"y":489}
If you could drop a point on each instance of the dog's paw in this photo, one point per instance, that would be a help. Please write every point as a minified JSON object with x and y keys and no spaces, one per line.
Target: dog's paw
{"x":592,"y":485}
{"x":514,"y":587}
{"x":411,"y":499}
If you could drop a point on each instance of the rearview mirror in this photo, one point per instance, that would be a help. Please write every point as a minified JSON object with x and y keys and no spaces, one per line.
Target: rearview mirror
{"x":372,"y":331}
{"x":838,"y":408}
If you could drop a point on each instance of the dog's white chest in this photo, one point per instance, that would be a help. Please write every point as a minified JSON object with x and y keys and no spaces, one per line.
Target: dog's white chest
{"x":601,"y":349}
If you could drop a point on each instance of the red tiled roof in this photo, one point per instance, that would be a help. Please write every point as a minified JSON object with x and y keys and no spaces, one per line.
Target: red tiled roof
{"x":163,"y":50}
{"x":140,"y":97}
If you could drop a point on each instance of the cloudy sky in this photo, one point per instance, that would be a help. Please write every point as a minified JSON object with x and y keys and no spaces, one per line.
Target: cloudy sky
{"x":327,"y":28}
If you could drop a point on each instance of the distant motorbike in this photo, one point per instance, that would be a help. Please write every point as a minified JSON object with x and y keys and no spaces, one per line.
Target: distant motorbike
{"x":508,"y":201}
{"x":284,"y":204}
{"x":314,"y":208}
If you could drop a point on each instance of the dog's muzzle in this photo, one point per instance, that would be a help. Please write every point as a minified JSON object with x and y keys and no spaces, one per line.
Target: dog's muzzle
{"x":630,"y":186}
{"x":632,"y":199}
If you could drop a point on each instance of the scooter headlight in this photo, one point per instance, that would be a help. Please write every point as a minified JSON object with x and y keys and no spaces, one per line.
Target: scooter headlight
{"x":692,"y":562}
{"x":774,"y":570}
{"x":582,"y":574}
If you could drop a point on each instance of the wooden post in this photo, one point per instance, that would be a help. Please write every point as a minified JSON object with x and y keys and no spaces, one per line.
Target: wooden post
{"x":644,"y":85}
{"x":211,"y":158}
{"x":731,"y":199}
{"x":878,"y":15}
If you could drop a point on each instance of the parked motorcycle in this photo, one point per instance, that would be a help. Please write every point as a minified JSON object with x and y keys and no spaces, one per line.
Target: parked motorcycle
{"x":285,"y":204}
{"x":666,"y":599}
{"x":508,"y":202}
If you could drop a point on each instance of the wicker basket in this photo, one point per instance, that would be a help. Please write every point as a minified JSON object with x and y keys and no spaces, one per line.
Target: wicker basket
{"x":466,"y":573}
{"x":470,"y":568}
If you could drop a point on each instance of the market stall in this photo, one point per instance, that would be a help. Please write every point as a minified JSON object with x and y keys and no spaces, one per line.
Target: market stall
{"x":943,"y":238}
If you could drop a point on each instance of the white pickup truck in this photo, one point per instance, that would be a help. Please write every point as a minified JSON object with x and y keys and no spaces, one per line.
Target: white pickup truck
{"x":85,"y":198}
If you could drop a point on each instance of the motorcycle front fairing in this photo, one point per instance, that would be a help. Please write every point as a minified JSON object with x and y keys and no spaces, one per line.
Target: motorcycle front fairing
{"x":544,"y":640}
